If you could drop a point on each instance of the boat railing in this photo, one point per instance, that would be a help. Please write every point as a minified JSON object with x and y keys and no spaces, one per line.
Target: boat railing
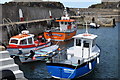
{"x":91,"y":57}
{"x":54,"y":30}
{"x":69,"y":61}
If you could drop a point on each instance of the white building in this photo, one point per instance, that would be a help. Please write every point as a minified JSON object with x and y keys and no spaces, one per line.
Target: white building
{"x":110,"y":0}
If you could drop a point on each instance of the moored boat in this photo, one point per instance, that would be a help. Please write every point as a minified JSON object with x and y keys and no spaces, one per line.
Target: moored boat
{"x":41,"y":54}
{"x":81,"y":58}
{"x":94,"y":25}
{"x":25,"y":42}
{"x":66,"y":30}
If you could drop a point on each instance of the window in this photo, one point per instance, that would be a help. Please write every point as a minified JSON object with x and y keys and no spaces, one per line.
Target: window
{"x":69,"y":23}
{"x":93,"y":44}
{"x":61,"y":22}
{"x":13,"y":41}
{"x":86,"y":44}
{"x":65,"y":23}
{"x":30,"y":41}
{"x":73,"y":22}
{"x":23,"y":42}
{"x":78,"y":42}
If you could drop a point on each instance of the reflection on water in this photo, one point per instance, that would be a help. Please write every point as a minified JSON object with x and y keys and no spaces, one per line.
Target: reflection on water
{"x":108,"y":67}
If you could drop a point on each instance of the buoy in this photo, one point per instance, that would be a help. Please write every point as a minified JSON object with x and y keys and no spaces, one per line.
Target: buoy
{"x":33,"y":58}
{"x":90,"y":65}
{"x":98,"y":60}
{"x":46,"y":45}
{"x":39,"y":37}
{"x":59,"y":49}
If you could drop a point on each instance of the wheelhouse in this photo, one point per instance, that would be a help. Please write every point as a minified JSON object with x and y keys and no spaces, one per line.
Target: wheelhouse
{"x":66,"y":24}
{"x":22,"y":39}
{"x":84,"y":46}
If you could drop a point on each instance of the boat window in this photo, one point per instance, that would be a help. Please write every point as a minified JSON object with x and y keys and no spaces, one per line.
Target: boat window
{"x":61,"y":22}
{"x":93,"y":44}
{"x":69,"y":22}
{"x":78,"y":42}
{"x":86,"y":44}
{"x":23,"y":42}
{"x":30,"y":41}
{"x":13,"y":41}
{"x":65,"y":23}
{"x":73,"y":22}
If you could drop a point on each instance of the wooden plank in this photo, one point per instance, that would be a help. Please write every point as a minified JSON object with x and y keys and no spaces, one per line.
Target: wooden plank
{"x":24,"y":22}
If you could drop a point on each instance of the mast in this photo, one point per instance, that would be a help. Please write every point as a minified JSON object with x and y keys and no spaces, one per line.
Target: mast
{"x":86,"y":29}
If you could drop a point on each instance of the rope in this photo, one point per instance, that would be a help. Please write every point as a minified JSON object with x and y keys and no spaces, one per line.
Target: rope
{"x":72,"y":72}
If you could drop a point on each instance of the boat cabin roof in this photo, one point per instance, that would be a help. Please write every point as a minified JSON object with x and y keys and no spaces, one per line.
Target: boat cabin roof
{"x":85,"y":36}
{"x":69,"y":20}
{"x":22,"y":36}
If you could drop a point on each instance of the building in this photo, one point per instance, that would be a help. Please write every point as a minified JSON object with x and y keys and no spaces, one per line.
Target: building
{"x":110,"y":0}
{"x":27,"y":0}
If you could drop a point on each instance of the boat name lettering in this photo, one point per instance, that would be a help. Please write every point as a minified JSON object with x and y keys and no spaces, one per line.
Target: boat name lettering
{"x":54,"y":35}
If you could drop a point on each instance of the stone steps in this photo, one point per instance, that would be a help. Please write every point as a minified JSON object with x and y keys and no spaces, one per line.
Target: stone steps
{"x":4,"y":54}
{"x":12,"y":67}
{"x":7,"y":63}
{"x":18,"y":74}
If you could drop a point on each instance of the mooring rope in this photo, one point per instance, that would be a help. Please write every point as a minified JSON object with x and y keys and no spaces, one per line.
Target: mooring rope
{"x":72,"y":72}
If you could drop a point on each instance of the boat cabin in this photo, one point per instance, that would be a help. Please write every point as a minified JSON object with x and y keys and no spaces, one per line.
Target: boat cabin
{"x":84,"y":46}
{"x":22,"y":39}
{"x":66,"y":23}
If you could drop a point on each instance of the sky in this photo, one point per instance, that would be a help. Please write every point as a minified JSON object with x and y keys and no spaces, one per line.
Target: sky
{"x":71,"y":3}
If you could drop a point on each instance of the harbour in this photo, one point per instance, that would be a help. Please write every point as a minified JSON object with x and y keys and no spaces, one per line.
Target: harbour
{"x":46,"y":40}
{"x":107,"y":69}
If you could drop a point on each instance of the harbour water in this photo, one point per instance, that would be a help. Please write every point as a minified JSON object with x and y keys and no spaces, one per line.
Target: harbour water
{"x":107,"y":69}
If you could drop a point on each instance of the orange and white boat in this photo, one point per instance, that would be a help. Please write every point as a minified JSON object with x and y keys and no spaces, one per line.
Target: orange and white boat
{"x":66,"y":30}
{"x":25,"y":42}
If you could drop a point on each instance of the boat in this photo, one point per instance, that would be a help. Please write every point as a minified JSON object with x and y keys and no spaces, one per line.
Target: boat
{"x":80,"y":59}
{"x":94,"y":25}
{"x":25,"y":42}
{"x":39,"y":55}
{"x":65,"y":32}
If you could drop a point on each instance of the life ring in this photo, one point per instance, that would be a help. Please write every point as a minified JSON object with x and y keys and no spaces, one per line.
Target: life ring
{"x":86,"y":34}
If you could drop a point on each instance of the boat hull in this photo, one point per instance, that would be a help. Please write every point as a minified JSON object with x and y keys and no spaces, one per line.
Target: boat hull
{"x":42,"y":54}
{"x":22,"y":59}
{"x":15,"y":51}
{"x":59,"y":36}
{"x":65,"y":71}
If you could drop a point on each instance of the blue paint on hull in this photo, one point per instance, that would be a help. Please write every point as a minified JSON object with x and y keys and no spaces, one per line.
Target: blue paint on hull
{"x":70,"y":73}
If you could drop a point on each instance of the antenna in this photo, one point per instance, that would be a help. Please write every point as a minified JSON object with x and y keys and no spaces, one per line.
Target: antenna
{"x":86,"y":29}
{"x":66,"y":14}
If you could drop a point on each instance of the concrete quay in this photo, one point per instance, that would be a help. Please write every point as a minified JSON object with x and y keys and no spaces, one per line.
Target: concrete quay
{"x":7,"y":63}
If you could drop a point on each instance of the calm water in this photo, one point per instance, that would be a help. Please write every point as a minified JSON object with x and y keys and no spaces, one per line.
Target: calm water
{"x":108,"y":67}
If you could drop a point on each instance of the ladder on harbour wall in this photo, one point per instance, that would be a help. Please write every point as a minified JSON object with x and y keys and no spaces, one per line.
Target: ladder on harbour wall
{"x":7,"y":63}
{"x":11,"y":29}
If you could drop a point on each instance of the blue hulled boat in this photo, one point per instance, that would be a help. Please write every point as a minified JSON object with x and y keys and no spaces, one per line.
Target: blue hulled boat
{"x":80,"y":59}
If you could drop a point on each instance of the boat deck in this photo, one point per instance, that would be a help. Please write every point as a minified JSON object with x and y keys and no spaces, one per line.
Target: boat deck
{"x":74,"y":60}
{"x":58,"y":30}
{"x":48,"y":49}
